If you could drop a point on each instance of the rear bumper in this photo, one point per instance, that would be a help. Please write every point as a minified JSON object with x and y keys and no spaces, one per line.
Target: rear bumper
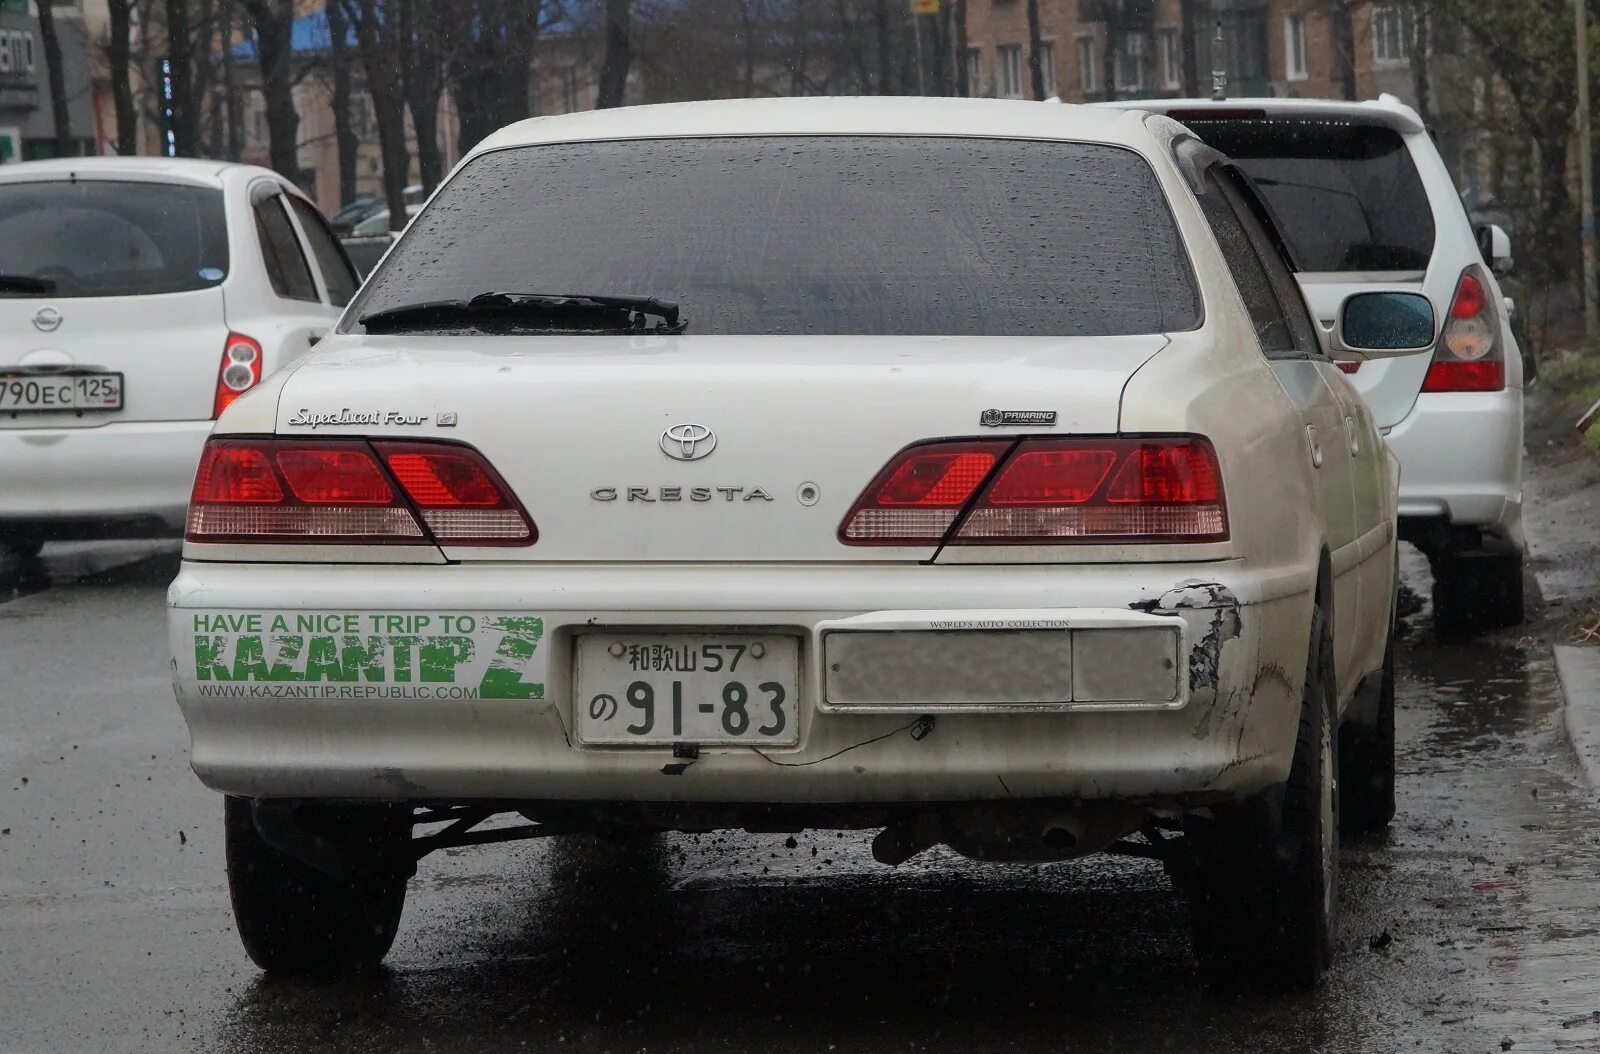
{"x":1230,"y":732}
{"x":1461,"y":461}
{"x":118,"y":475}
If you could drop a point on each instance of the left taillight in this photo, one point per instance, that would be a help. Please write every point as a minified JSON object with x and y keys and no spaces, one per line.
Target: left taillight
{"x":240,"y":371}
{"x":350,"y":491}
{"x":1468,"y":357}
{"x":1044,"y":491}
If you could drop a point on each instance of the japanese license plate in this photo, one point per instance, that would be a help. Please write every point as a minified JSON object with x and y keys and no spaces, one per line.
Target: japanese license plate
{"x":704,"y":688}
{"x":58,"y":392}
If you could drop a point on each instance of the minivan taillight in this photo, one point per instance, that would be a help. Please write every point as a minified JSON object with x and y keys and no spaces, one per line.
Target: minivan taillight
{"x":351,"y":491}
{"x":240,"y":371}
{"x":1468,"y":357}
{"x":1044,"y":491}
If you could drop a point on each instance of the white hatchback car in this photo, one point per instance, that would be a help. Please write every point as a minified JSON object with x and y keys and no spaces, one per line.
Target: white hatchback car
{"x":1365,"y":201}
{"x":981,"y":478}
{"x":138,"y":298}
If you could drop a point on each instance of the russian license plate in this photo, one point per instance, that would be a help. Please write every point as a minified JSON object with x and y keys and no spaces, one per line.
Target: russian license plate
{"x":704,"y":688}
{"x":58,"y":392}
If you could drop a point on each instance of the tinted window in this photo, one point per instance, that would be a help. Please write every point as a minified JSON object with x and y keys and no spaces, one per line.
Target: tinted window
{"x":280,"y":249}
{"x":1348,"y":196}
{"x":103,"y":238}
{"x":826,"y":234}
{"x":1272,"y":329}
{"x":1269,"y":250}
{"x":337,"y":274}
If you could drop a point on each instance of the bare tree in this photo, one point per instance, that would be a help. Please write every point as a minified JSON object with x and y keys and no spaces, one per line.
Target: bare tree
{"x":182,"y":119}
{"x":379,"y":38}
{"x":491,"y":49}
{"x":118,"y":48}
{"x":272,"y":23}
{"x":618,"y":53}
{"x":58,"y":81}
{"x":964,"y":87}
{"x":423,"y":82}
{"x":1035,"y":51}
{"x":346,"y":143}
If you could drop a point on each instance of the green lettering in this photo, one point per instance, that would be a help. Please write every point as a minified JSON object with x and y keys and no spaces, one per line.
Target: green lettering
{"x":519,"y":639}
{"x":288,"y":651}
{"x":322,"y":661}
{"x":441,"y":655}
{"x":250,"y":660}
{"x":208,"y":658}
{"x":364,"y":657}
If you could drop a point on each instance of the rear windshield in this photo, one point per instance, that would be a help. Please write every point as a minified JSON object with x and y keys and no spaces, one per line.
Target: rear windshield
{"x":1347,"y":196}
{"x":106,"y":238}
{"x":813,"y":235}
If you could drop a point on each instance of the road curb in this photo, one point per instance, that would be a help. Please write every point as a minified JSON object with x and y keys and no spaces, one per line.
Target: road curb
{"x":1579,"y":672}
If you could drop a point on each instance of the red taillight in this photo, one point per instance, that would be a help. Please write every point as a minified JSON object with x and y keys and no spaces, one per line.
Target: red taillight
{"x":1046,"y":491}
{"x":338,"y":491}
{"x":1348,"y":367}
{"x":1468,"y":357}
{"x":461,"y":499}
{"x":240,"y":371}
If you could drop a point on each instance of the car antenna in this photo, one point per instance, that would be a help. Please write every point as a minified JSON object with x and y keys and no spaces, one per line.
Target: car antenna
{"x":1219,"y":72}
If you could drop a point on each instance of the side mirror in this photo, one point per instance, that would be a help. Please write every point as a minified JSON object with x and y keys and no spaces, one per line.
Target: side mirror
{"x":1495,"y":246}
{"x":1377,"y":324}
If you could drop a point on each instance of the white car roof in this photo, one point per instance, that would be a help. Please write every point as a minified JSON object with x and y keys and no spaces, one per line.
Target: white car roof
{"x":874,"y":115}
{"x":174,"y":169}
{"x":1386,"y":110}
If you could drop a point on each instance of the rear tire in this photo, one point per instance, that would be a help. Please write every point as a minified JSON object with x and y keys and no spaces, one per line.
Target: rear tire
{"x":1474,"y":592}
{"x":1264,"y":895}
{"x":1367,"y":762}
{"x":296,"y":920}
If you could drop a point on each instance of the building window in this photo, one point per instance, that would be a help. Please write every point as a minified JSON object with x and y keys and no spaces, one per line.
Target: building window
{"x":1169,"y":54}
{"x":1294,"y":47}
{"x":1008,"y":71}
{"x":1133,"y":63}
{"x":975,"y":72}
{"x":1394,"y":31}
{"x":1047,"y":65}
{"x":1087,"y":81}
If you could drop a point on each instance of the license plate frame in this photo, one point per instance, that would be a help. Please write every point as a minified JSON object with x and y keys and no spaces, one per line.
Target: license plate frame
{"x":605,"y":714}
{"x":76,"y":392}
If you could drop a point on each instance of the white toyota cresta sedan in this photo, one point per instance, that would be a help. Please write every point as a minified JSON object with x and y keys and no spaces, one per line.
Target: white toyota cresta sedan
{"x":1365,"y":202}
{"x":969,"y":471}
{"x":138,"y":298}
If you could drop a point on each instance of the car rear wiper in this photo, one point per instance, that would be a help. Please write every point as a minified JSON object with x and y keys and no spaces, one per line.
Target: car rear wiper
{"x":26,"y":283}
{"x":536,"y":312}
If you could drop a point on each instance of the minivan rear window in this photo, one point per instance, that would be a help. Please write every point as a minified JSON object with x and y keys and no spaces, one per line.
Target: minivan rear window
{"x":1347,"y":196}
{"x":112,"y":238}
{"x":871,"y":235}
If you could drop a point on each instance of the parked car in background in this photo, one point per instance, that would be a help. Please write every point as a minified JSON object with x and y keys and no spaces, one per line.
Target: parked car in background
{"x":138,"y":298}
{"x":1365,"y":202}
{"x":354,"y":212}
{"x":896,"y":520}
{"x":371,"y":238}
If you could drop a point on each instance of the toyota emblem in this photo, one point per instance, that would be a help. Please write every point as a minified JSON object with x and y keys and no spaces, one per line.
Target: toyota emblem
{"x":47,"y":320}
{"x":688,"y":442}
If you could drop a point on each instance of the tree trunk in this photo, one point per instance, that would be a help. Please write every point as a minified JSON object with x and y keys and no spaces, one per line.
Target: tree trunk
{"x":1190,"y":46}
{"x":1035,"y":51}
{"x":273,"y":23}
{"x":51,"y":40}
{"x":489,"y":64}
{"x":1108,"y":75}
{"x":1421,"y":84}
{"x":344,"y":134}
{"x":882,"y":28}
{"x":618,"y":54}
{"x":423,"y":83}
{"x":1344,"y":47}
{"x":379,"y":37}
{"x":964,"y":86}
{"x":181,"y":120}
{"x":118,"y":55}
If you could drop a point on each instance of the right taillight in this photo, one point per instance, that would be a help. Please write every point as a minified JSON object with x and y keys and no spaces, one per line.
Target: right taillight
{"x":240,"y":371}
{"x":349,"y":491}
{"x":1468,"y":357}
{"x":1044,"y":491}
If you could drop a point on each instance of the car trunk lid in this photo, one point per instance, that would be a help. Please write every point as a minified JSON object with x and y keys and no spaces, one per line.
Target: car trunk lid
{"x":588,"y":431}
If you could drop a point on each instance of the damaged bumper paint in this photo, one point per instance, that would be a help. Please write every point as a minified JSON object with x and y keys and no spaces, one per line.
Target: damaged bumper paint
{"x":1166,"y":683}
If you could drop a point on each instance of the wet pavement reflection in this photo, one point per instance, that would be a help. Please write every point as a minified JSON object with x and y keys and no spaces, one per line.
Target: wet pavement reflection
{"x":1470,"y":924}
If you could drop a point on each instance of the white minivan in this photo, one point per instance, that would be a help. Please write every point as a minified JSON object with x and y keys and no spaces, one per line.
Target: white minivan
{"x":138,"y":298}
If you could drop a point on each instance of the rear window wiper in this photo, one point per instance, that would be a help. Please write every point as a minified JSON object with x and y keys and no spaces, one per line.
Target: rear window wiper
{"x":534,"y":312}
{"x":26,"y":283}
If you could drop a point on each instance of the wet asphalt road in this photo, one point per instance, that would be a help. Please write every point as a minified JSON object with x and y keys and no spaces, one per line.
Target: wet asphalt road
{"x":1471,"y":924}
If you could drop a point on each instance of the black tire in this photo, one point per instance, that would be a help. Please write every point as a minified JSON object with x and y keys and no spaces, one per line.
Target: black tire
{"x":293,"y":919}
{"x":1475,"y":592}
{"x":1264,"y":894}
{"x":1367,"y":762}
